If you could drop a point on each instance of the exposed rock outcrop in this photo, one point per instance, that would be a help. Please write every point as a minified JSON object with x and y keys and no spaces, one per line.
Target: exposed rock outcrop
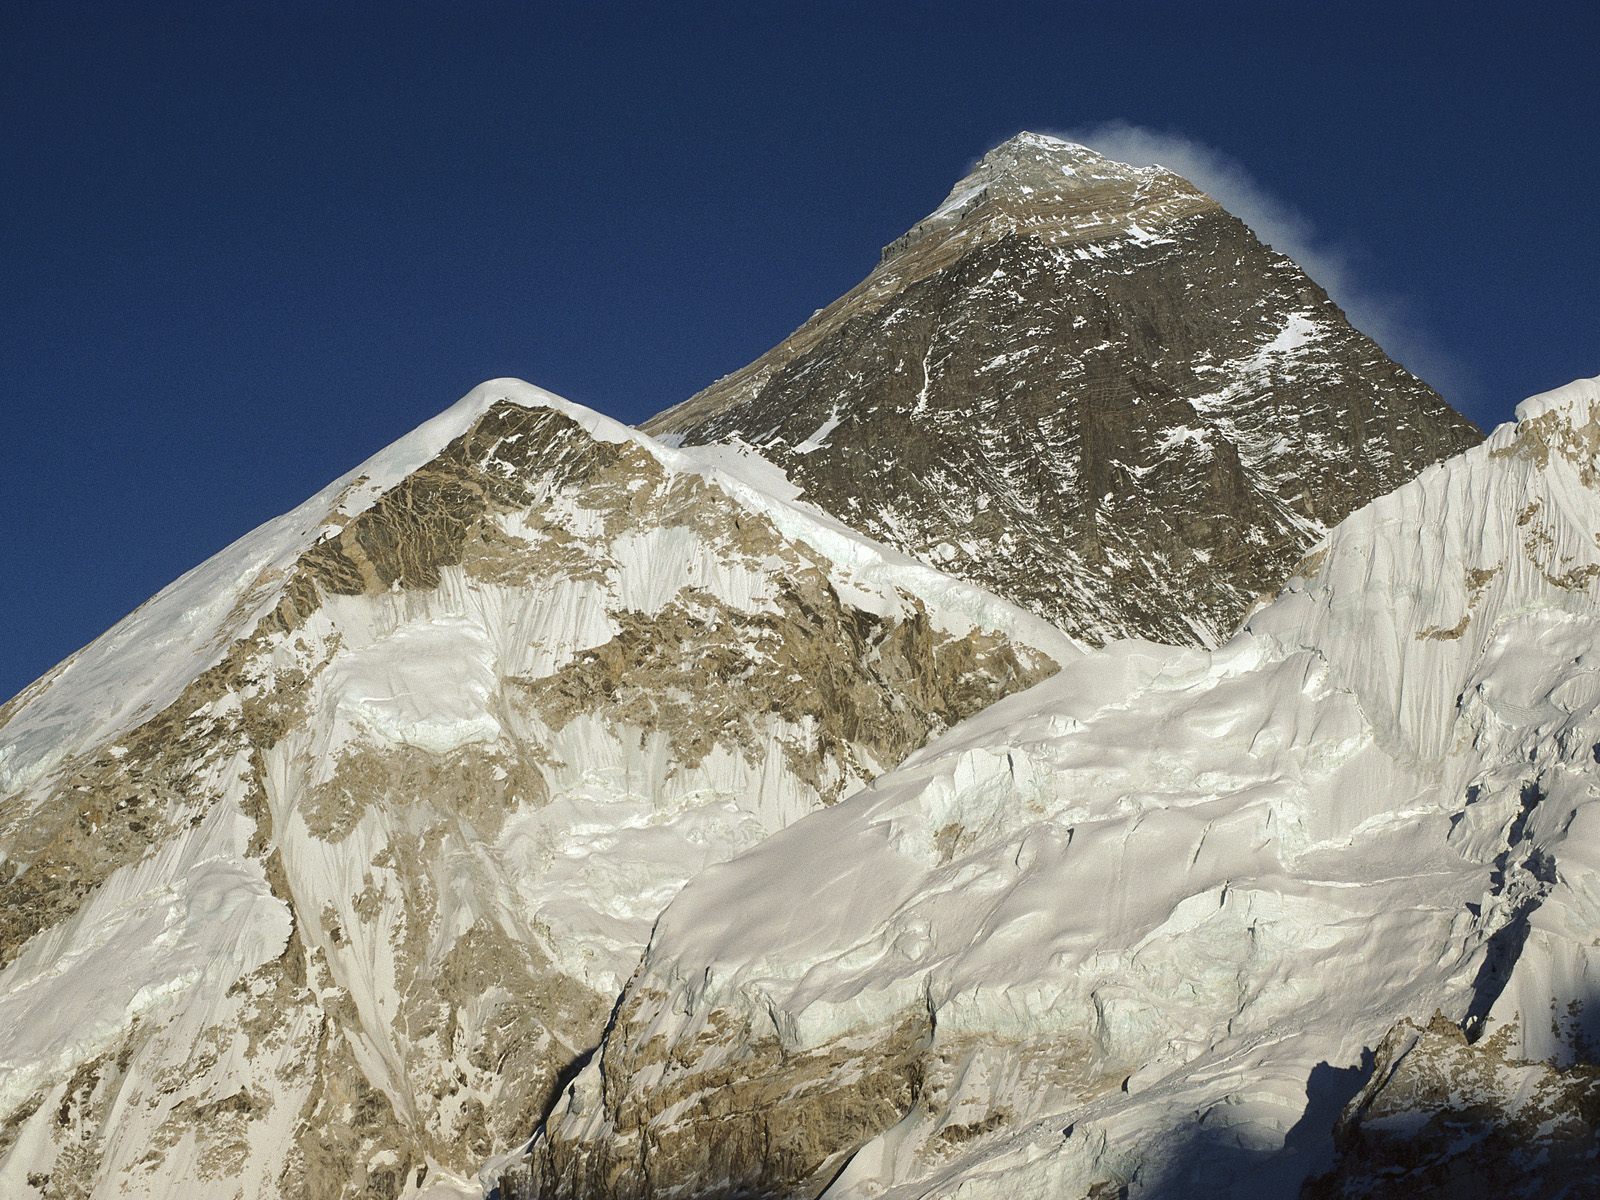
{"x":1448,"y":1119}
{"x":352,"y":870}
{"x":1089,"y":388}
{"x":1120,"y":931}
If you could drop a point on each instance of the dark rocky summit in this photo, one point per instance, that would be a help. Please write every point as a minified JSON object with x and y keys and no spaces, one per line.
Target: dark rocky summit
{"x":1090,"y":389}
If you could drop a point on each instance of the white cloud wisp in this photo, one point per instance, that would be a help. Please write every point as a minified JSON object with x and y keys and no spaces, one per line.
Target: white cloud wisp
{"x":1388,"y":320}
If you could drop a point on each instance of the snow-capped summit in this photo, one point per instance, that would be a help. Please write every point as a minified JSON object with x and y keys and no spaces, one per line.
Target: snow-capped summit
{"x":1089,"y":388}
{"x":1035,"y":166}
{"x":1040,"y":167}
{"x":1053,"y":191}
{"x":1026,"y":176}
{"x":1027,"y":144}
{"x":339,"y":849}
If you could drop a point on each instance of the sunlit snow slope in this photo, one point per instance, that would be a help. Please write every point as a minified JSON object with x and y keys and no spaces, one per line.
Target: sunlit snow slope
{"x":1138,"y":926}
{"x":319,"y":869}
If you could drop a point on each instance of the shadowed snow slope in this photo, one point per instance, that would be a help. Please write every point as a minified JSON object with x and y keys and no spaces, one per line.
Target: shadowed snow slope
{"x":1137,"y":925}
{"x":320,"y":868}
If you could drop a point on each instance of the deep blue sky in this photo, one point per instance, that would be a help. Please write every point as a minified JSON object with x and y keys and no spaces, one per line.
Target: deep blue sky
{"x":246,"y":245}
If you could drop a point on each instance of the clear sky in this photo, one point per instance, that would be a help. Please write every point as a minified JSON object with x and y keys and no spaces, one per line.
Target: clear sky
{"x":245,"y":245}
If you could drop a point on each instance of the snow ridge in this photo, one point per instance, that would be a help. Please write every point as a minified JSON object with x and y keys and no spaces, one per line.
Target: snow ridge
{"x":341,"y":847}
{"x":138,"y":666}
{"x":1054,"y":922}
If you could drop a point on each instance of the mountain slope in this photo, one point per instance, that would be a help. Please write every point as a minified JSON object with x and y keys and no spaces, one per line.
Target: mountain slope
{"x":1090,"y":389}
{"x":339,"y":849}
{"x":1053,"y":955}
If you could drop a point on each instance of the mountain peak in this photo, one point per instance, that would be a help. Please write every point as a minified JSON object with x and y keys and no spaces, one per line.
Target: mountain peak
{"x":1050,"y":166}
{"x":1055,"y":356}
{"x":201,"y":826}
{"x":1059,"y":190}
{"x":1027,"y":150}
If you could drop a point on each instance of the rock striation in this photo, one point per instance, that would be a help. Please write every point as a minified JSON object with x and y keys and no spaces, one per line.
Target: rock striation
{"x":338,"y":851}
{"x":1090,"y":389}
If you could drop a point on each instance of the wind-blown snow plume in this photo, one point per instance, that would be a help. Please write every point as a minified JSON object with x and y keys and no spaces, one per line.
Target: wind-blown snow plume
{"x":1391,"y":321}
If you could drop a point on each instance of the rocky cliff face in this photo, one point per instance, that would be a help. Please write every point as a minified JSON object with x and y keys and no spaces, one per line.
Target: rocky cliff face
{"x":1090,"y":389}
{"x":1055,"y":953}
{"x":321,"y":868}
{"x":1449,"y":1119}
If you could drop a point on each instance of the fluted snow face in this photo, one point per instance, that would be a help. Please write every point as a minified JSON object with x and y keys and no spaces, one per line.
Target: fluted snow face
{"x":1130,"y":927}
{"x":322,"y":865}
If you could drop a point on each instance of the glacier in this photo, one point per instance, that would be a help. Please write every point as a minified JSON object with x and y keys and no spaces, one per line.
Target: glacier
{"x":1137,"y":926}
